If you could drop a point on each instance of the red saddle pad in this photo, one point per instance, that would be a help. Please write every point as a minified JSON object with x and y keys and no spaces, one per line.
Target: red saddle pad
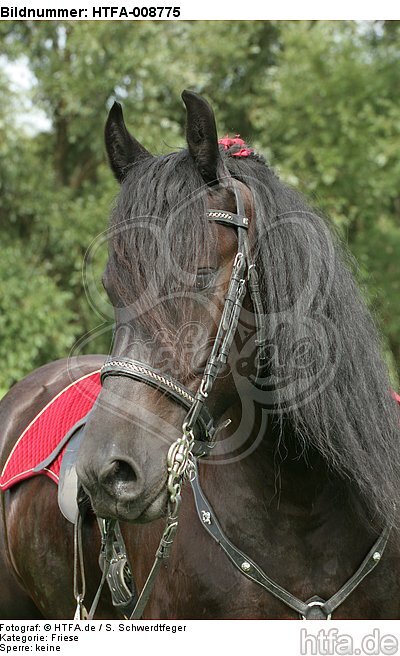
{"x":47,"y":429}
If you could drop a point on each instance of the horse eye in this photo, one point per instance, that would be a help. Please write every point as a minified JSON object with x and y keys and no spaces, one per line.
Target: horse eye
{"x":204,"y":278}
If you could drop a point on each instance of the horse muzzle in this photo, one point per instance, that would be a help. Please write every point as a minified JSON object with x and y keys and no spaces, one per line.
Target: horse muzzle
{"x":118,"y":489}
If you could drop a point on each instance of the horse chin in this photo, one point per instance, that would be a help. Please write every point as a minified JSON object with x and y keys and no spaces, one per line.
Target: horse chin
{"x":126,"y":512}
{"x":156,"y":509}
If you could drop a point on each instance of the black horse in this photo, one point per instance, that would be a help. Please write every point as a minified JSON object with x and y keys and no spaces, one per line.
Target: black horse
{"x":305,"y":478}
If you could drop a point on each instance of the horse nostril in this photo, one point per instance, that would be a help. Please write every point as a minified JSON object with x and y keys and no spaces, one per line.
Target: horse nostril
{"x":121,"y":477}
{"x":124,"y":472}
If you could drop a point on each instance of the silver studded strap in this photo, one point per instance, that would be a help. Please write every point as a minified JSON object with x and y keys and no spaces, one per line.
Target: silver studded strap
{"x":314,"y":608}
{"x":136,"y":369}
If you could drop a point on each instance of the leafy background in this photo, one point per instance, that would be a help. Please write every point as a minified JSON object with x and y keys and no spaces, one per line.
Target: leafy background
{"x":319,"y":99}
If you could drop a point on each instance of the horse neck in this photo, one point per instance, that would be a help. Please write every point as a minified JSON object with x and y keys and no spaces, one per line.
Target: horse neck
{"x":281,"y":477}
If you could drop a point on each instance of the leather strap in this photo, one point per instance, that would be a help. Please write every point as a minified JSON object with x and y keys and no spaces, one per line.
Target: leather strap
{"x":369,"y":563}
{"x":228,"y":218}
{"x":136,"y":370}
{"x":162,"y":554}
{"x":122,"y":366}
{"x":314,"y":608}
{"x":241,"y":561}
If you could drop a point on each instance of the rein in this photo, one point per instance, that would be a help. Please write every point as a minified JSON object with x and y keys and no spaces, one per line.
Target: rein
{"x":198,"y":439}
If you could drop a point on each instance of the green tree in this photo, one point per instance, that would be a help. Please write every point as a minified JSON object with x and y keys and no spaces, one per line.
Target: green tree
{"x":333,"y":128}
{"x":318,"y":98}
{"x":56,"y":189}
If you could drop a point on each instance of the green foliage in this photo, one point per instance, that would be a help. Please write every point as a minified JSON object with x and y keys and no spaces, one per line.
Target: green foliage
{"x":318,"y":98}
{"x":36,"y":322}
{"x":334,"y":131}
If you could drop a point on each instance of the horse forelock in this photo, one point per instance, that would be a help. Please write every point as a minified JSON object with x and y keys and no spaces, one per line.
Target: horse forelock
{"x":158,"y":238}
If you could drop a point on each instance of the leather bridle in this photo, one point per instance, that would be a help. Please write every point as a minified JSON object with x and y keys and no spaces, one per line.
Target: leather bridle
{"x":199,"y":431}
{"x":243,"y":277}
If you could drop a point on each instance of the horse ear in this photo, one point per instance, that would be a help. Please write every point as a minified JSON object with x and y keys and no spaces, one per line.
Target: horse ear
{"x":122,"y":149}
{"x":201,"y":136}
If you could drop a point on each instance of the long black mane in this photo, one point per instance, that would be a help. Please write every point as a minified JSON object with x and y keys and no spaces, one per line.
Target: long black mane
{"x":314,"y":311}
{"x":160,"y":215}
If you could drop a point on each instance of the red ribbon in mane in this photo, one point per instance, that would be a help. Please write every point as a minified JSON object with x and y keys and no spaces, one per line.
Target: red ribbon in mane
{"x":228,"y":142}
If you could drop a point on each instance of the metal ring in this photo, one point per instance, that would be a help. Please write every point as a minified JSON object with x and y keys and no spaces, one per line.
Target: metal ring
{"x":317,"y":603}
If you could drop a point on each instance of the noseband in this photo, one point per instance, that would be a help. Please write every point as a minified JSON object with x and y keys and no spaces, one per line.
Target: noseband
{"x":198,"y":419}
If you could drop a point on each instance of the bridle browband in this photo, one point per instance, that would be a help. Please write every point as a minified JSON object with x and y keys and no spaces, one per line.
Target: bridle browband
{"x":198,"y":438}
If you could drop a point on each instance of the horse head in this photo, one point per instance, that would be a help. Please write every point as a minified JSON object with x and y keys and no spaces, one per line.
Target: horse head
{"x":177,"y":251}
{"x":232,"y":300}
